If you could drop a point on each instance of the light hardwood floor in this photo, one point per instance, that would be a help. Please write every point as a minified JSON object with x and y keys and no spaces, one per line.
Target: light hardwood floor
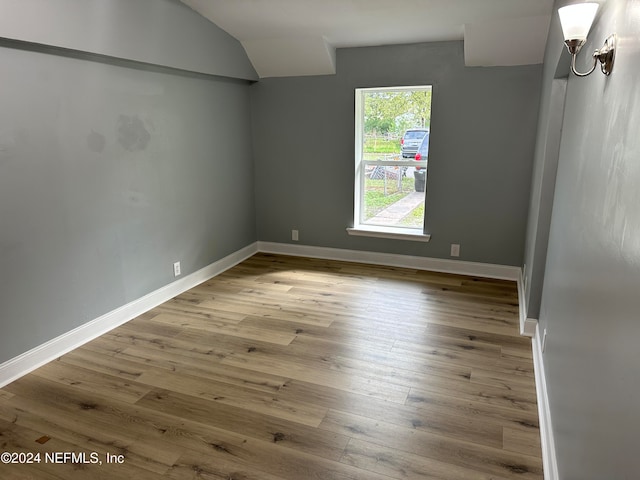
{"x":293,"y":368}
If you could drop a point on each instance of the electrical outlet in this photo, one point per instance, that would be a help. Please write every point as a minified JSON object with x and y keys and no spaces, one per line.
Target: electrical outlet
{"x":294,"y":235}
{"x":455,"y":250}
{"x":176,"y":269}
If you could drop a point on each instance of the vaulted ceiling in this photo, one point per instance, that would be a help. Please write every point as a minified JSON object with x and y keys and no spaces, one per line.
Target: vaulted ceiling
{"x":299,"y":37}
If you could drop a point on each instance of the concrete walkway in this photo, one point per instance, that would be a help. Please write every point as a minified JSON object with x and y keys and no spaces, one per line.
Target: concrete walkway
{"x":391,"y":215}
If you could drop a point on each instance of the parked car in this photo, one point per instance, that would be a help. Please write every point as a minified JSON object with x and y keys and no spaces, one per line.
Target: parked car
{"x":422,"y":153}
{"x":411,"y":140}
{"x":420,"y":174}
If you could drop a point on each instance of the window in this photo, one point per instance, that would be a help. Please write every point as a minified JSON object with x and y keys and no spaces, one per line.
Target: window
{"x":391,"y":158}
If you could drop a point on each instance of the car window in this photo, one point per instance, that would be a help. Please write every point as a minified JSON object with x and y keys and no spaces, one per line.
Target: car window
{"x":424,"y":146}
{"x":414,"y":135}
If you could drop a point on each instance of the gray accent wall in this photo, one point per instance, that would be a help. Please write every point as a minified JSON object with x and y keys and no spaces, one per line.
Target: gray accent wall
{"x":590,"y":304}
{"x":480,"y":160}
{"x":108,"y":175}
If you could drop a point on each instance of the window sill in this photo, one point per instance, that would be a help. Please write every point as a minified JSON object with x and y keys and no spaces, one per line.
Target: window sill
{"x":414,"y":235}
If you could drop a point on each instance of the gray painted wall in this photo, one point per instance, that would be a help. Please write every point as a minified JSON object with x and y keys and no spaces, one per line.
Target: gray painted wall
{"x":108,"y":175}
{"x":545,"y":165}
{"x":157,"y":32}
{"x":542,"y":189}
{"x":590,"y":302}
{"x":481,"y":151}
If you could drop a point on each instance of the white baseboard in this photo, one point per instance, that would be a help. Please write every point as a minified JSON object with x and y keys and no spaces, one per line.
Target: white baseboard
{"x":527,"y":325}
{"x":528,"y":328}
{"x":48,"y":351}
{"x":549,"y":460}
{"x":486,"y":270}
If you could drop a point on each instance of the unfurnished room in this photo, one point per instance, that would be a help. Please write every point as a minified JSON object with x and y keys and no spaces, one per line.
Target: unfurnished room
{"x":330,"y":239}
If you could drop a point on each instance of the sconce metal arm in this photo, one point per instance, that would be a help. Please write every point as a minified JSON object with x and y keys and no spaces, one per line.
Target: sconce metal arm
{"x":580,"y":74}
{"x":606,"y":55}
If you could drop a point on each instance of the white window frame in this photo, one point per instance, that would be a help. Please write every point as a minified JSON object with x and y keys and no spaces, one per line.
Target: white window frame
{"x":362,"y":229}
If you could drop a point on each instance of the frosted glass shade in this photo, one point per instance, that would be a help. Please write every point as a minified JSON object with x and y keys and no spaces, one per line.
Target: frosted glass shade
{"x":576,"y":20}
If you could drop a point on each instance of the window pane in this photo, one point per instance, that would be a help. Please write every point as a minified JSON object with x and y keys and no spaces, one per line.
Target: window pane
{"x":392,"y":125}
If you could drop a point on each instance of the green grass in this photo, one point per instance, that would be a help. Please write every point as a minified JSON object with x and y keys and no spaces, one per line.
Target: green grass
{"x":376,"y":201}
{"x":381,"y":156}
{"x":374,"y":198}
{"x":372,"y":145}
{"x":415,"y":218}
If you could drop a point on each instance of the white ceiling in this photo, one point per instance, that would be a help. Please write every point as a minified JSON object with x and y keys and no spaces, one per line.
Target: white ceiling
{"x":299,"y":37}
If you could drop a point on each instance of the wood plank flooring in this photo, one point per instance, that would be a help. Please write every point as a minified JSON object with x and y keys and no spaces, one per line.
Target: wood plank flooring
{"x":287,"y":368}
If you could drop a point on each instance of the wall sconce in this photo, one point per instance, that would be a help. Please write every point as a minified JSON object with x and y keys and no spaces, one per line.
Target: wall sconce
{"x":576,"y":22}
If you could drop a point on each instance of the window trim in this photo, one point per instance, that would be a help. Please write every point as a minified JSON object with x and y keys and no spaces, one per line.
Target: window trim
{"x":362,"y":229}
{"x":395,"y":233}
